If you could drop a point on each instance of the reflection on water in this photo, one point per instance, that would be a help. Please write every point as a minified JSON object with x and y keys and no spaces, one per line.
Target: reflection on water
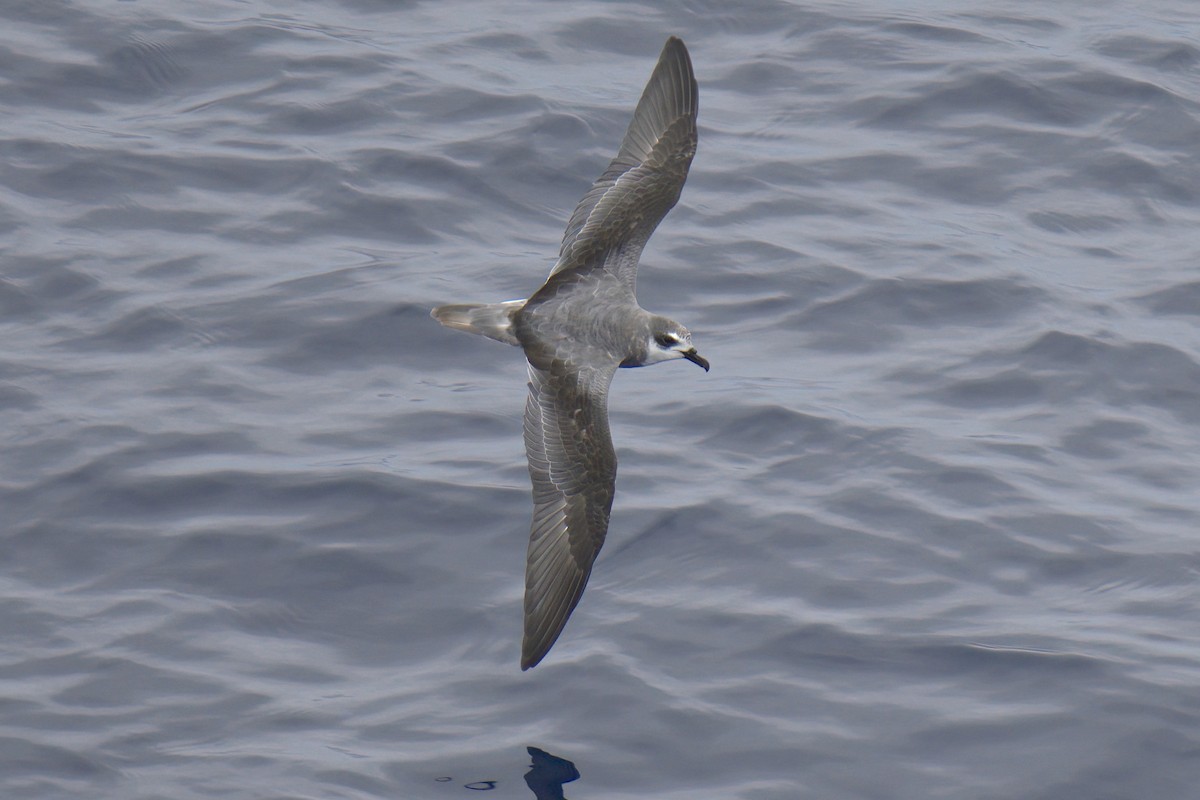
{"x":546,"y":777}
{"x":548,"y":774}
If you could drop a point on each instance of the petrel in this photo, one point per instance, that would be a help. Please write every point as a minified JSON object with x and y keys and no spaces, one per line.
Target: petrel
{"x":576,"y":330}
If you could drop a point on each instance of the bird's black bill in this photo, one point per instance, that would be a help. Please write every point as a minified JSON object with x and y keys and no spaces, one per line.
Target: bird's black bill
{"x":696,"y":358}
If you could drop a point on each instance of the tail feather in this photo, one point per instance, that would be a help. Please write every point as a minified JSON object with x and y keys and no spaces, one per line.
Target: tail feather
{"x":493,"y":320}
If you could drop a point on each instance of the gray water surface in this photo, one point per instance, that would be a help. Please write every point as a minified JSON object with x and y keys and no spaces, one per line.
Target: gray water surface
{"x":927,"y":530}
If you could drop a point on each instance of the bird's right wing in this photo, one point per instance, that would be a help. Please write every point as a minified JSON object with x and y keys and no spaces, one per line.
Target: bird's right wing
{"x":573,"y":468}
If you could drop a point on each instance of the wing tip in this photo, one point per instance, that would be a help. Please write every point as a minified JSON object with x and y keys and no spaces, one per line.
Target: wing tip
{"x":532,"y":654}
{"x":675,"y":47}
{"x":685,"y":77}
{"x":539,"y":636}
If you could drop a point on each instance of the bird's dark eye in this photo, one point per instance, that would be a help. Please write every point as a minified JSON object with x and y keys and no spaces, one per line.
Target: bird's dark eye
{"x":666,"y":339}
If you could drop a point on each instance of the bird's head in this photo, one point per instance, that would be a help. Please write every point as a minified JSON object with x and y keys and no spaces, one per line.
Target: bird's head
{"x":670,"y":340}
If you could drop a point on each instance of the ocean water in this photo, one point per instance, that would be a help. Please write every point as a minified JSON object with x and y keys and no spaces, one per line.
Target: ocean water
{"x":927,"y":530}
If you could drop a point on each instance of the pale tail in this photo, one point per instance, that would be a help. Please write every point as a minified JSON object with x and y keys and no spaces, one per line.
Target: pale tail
{"x":493,"y":320}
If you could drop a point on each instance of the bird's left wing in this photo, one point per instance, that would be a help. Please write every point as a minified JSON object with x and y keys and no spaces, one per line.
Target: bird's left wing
{"x":613,"y":221}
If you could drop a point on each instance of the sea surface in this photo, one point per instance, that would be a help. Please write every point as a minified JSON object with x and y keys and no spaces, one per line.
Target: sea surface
{"x":930,"y":528}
